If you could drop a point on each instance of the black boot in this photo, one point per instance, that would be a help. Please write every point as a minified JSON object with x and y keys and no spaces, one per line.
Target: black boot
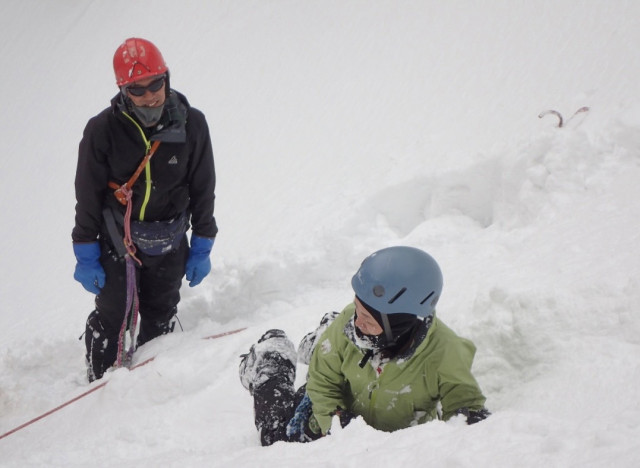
{"x":272,"y":354}
{"x":308,"y":342}
{"x":150,"y":329}
{"x":102,"y":346}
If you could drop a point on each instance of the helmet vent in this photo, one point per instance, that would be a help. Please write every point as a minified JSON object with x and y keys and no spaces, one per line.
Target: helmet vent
{"x":427,"y":298}
{"x":394,"y":298}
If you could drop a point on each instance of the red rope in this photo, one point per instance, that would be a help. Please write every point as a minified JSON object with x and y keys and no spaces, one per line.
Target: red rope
{"x":98,"y":387}
{"x":128,"y":242}
{"x":44,"y":415}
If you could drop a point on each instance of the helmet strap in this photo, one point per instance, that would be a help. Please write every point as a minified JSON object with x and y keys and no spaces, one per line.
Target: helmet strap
{"x":386,"y":326}
{"x":167,"y":84}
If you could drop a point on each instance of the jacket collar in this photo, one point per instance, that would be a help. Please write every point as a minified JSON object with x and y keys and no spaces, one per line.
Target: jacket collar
{"x":419,"y":336}
{"x":172,"y":125}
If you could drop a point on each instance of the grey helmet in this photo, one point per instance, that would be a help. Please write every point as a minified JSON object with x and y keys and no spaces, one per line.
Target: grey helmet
{"x":399,"y":280}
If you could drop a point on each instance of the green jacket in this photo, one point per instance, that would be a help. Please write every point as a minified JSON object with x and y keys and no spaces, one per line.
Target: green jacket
{"x":405,"y":392}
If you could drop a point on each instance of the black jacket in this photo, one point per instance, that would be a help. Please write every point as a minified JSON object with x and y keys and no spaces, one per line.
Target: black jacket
{"x":181,"y":174}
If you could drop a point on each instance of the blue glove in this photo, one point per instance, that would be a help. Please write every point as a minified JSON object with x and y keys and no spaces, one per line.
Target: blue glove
{"x":89,"y":271}
{"x":198,"y":263}
{"x":296,"y":428}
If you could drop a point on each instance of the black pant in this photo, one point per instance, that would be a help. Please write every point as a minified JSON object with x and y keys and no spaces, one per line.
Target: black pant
{"x":158,"y":282}
{"x":274,"y":404}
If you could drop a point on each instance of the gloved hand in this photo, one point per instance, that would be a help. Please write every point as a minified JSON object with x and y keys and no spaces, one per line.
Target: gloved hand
{"x":300,"y":420}
{"x":477,"y":415}
{"x":89,"y":271}
{"x":474,"y":416}
{"x":198,"y":263}
{"x":345,"y":417}
{"x":299,"y":428}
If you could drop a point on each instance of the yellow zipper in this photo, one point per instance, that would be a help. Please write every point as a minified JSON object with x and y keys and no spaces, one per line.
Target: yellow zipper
{"x":147,"y":169}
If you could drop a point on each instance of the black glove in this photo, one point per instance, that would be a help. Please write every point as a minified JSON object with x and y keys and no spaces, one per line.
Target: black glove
{"x":474,"y":416}
{"x":345,"y":417}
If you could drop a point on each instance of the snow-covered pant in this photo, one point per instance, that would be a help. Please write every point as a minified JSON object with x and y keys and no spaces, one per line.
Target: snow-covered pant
{"x":274,"y":404}
{"x":158,"y":281}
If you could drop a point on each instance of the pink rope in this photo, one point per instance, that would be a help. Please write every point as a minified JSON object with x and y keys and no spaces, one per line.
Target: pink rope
{"x":132,"y":307}
{"x":132,"y":310}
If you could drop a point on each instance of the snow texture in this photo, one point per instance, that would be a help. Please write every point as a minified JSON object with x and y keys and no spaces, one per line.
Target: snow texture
{"x":339,"y":128}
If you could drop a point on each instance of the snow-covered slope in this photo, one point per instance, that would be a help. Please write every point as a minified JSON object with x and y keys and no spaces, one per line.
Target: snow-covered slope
{"x":340,"y":128}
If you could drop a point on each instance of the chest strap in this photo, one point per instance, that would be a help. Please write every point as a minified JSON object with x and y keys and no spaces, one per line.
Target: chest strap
{"x":120,"y":190}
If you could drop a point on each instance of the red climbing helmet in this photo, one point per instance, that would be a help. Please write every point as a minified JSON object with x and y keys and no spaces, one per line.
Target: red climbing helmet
{"x":136,"y":59}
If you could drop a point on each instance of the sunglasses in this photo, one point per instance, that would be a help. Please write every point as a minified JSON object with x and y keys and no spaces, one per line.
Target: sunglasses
{"x":152,"y":87}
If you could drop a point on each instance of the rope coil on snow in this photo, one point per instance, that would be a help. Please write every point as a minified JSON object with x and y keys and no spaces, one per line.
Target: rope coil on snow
{"x":561,"y":122}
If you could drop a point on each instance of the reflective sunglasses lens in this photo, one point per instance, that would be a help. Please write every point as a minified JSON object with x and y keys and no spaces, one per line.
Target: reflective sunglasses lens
{"x":156,"y":85}
{"x":137,"y":91}
{"x":153,"y":87}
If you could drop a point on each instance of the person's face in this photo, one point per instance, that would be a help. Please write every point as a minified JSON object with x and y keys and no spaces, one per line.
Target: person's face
{"x":365,"y":321}
{"x":149,"y":98}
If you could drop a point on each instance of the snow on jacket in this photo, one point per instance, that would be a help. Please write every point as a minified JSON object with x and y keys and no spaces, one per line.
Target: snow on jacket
{"x":405,"y":392}
{"x":179,"y":177}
